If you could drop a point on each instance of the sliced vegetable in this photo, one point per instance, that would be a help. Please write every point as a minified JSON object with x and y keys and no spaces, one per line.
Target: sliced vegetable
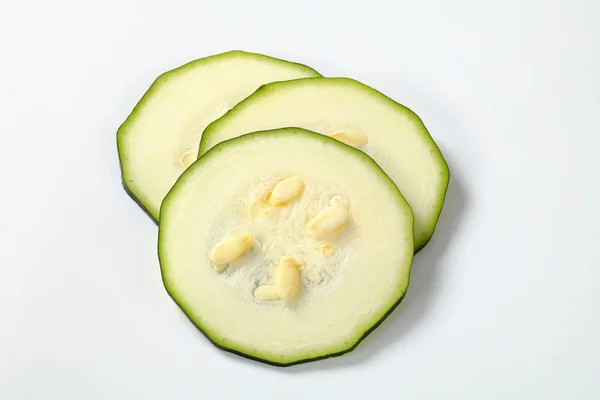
{"x":160,"y":138}
{"x":285,"y":246}
{"x":357,"y":115}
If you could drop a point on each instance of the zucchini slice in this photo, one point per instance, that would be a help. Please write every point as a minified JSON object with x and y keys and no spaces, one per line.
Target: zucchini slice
{"x":160,"y":138}
{"x":359,"y":115}
{"x":285,"y":246}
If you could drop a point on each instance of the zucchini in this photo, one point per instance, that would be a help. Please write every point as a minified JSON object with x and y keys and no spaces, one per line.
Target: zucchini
{"x":285,"y":246}
{"x":160,"y":138}
{"x":394,"y":136}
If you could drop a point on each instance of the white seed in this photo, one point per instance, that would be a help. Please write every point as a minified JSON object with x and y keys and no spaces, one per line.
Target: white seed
{"x":329,"y":219}
{"x":325,"y":249}
{"x":266,"y":292}
{"x":262,"y":209}
{"x":286,"y":191}
{"x":187,"y":158}
{"x":351,"y":137}
{"x":287,"y":279}
{"x":229,"y":249}
{"x":256,"y":209}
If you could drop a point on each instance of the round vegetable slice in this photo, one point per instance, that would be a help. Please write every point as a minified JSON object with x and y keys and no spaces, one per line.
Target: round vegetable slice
{"x":160,"y":138}
{"x":285,"y":246}
{"x":357,"y":115}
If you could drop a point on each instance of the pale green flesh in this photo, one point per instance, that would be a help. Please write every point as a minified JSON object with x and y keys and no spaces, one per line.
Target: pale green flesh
{"x":171,"y":116}
{"x":363,"y":279}
{"x":397,"y":139}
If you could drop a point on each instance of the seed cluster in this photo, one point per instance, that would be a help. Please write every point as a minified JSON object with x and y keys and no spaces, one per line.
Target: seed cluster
{"x":288,"y":282}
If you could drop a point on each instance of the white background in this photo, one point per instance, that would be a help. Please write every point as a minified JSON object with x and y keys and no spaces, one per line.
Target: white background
{"x":504,"y":302}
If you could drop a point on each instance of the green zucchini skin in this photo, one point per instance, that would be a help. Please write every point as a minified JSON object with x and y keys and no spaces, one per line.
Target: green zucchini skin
{"x":138,"y":202}
{"x":291,"y":364}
